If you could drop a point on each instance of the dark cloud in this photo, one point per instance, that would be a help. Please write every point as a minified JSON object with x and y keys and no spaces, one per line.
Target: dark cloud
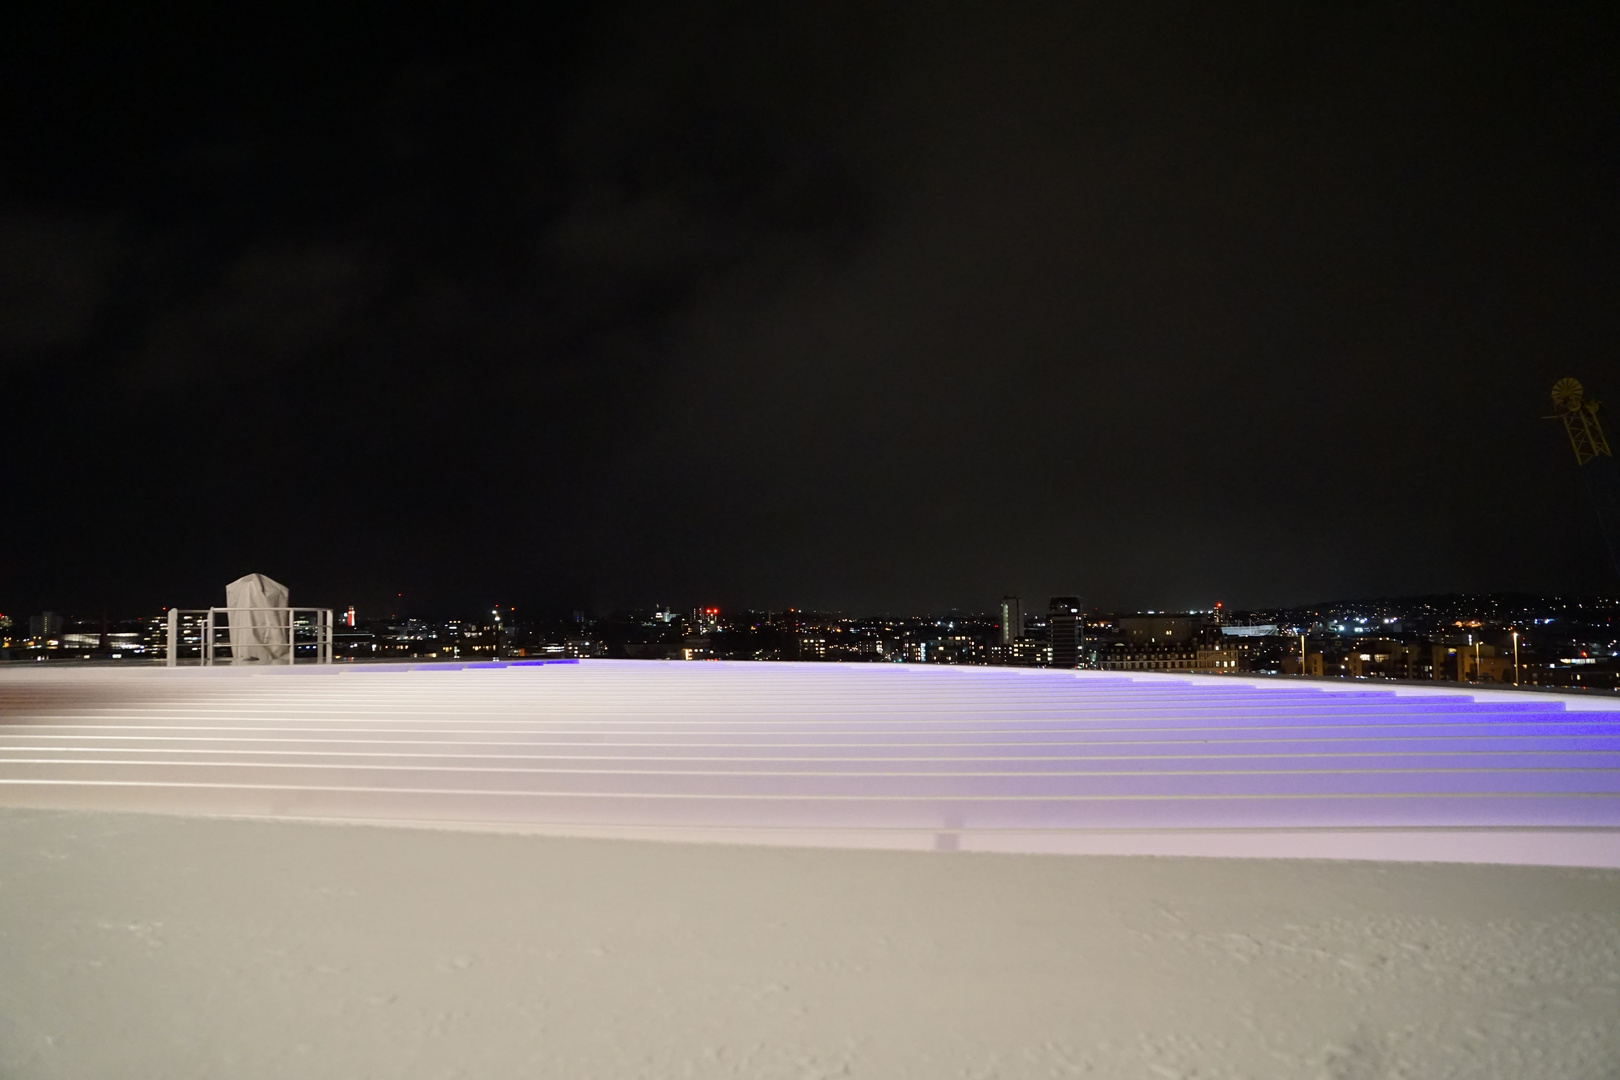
{"x":866,"y":305}
{"x":54,"y":276}
{"x":271,"y":312}
{"x":1253,"y":310}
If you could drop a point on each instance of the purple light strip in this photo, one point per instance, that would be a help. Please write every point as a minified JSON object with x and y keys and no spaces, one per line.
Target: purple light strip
{"x":818,"y":747}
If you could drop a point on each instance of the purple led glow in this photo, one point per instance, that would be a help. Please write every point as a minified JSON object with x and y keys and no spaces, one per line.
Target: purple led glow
{"x":828,"y":753}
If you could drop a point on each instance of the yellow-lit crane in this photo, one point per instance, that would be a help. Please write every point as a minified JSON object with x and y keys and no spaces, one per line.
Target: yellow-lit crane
{"x":1580,"y":420}
{"x":1592,"y":454}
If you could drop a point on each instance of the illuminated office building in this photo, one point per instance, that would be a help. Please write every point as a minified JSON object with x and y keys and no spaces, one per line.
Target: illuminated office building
{"x":1067,"y":628}
{"x":1012,"y":620}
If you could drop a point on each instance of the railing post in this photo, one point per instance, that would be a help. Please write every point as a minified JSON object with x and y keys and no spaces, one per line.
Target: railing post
{"x":322,"y":626}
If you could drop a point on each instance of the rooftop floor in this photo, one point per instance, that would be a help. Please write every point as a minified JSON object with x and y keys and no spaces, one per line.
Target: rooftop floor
{"x":884,"y":756}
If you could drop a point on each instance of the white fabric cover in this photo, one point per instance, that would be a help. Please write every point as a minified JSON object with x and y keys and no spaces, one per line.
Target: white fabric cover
{"x":258,"y":633}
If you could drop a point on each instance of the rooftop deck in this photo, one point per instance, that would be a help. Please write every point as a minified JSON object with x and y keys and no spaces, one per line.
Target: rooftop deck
{"x":837,"y":755}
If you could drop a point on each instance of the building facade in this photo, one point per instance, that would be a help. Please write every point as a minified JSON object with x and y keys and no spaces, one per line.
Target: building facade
{"x":1067,"y":628}
{"x":1012,"y":620}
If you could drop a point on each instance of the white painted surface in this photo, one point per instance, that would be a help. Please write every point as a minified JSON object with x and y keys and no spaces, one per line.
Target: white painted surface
{"x":136,"y":945}
{"x":145,"y":945}
{"x":835,"y":755}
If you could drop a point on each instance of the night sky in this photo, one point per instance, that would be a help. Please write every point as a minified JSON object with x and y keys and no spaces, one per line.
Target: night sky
{"x":866,"y":306}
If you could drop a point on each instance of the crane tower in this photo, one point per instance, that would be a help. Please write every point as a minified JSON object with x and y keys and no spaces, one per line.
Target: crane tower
{"x":1592,"y":455}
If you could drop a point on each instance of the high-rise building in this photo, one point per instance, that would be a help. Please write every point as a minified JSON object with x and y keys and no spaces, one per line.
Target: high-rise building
{"x":1068,"y":629}
{"x":48,"y":625}
{"x":1012,"y":620}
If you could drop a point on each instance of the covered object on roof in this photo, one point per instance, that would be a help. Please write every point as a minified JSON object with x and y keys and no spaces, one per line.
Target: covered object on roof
{"x":257,"y":609}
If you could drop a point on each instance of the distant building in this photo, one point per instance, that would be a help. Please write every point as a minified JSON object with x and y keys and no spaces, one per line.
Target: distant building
{"x":1471,"y":663}
{"x":1204,"y":656}
{"x":47,"y":625}
{"x":1149,"y":657}
{"x":1012,"y":620}
{"x":1067,"y":629}
{"x":1392,"y":658}
{"x":1176,"y":643}
{"x":705,"y":620}
{"x":1220,"y":656}
{"x":1161,"y":629}
{"x":866,"y":648}
{"x":958,"y":649}
{"x":1022,"y":654}
{"x":1388,"y":658}
{"x":1312,"y":663}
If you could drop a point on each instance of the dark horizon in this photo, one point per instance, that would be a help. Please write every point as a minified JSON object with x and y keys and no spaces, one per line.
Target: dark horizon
{"x":859,"y":307}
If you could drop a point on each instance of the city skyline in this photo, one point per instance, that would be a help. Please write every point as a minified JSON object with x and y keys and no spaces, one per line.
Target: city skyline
{"x":1560,"y":643}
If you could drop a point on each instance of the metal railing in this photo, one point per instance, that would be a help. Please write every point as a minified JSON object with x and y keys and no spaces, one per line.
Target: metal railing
{"x":305,"y":633}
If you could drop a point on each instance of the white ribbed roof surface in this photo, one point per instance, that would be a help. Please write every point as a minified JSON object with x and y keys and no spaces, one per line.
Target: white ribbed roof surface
{"x":847,"y":755}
